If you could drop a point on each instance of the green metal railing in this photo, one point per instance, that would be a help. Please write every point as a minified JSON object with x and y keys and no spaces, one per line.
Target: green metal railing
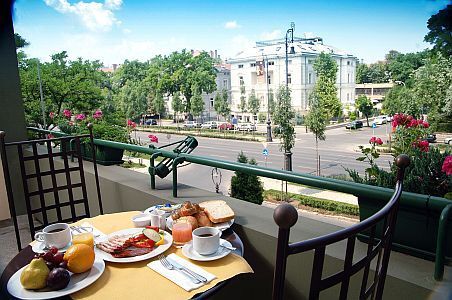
{"x":439,"y":205}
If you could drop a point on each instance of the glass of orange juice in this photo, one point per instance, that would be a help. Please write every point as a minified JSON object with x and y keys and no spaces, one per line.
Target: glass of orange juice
{"x":84,"y":237}
{"x":181,"y":233}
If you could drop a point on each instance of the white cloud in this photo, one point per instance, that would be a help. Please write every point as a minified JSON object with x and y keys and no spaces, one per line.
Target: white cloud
{"x":275,"y":34}
{"x":232,"y":25}
{"x":94,"y":15}
{"x":239,"y":43}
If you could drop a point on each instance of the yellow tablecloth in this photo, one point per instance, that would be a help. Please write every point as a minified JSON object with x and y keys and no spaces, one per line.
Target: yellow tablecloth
{"x":136,"y":281}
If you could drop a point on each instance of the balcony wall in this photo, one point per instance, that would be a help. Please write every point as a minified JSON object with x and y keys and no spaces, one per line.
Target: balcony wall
{"x":124,"y":190}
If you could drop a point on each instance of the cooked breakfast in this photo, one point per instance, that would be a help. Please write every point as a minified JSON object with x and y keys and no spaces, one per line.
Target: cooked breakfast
{"x":204,"y":214}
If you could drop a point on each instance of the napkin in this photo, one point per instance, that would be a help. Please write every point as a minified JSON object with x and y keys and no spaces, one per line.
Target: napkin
{"x":177,"y":277}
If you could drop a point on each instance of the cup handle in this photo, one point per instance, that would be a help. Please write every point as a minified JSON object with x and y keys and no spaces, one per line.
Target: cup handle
{"x":39,"y":236}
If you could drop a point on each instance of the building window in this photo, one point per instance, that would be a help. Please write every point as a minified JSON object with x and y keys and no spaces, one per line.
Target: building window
{"x":240,"y":66}
{"x":289,"y":78}
{"x":271,"y":63}
{"x":310,"y":61}
{"x":348,"y":63}
{"x":225,"y":83}
{"x":348,"y":97}
{"x":348,"y":78}
{"x":241,"y":80}
{"x":269,"y":79}
{"x":211,"y":102}
{"x":252,"y":65}
{"x":310,"y":78}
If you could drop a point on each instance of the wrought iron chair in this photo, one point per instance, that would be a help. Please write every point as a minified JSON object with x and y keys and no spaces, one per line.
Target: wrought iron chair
{"x":38,"y":200}
{"x":379,"y":247}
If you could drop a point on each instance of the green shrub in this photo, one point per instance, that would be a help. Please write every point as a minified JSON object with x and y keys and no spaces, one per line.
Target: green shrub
{"x":244,"y":186}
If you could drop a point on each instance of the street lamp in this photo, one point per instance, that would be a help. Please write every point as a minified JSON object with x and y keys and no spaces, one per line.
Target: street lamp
{"x":267,"y":76}
{"x":292,"y":49}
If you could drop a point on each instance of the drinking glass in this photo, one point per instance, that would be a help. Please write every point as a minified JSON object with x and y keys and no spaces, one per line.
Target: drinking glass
{"x":181,"y":233}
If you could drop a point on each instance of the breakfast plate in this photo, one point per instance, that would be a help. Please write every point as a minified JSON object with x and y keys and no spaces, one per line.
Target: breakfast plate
{"x":40,"y":247}
{"x":168,"y":208}
{"x":222,"y":226}
{"x":168,"y":241}
{"x":77,"y":282}
{"x":190,"y":253}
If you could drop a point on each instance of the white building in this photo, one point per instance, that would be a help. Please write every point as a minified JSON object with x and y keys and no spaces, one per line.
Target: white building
{"x":248,"y":71}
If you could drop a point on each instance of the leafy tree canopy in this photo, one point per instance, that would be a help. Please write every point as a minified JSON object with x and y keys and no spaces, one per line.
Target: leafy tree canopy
{"x":244,"y":186}
{"x":440,"y":31}
{"x":365,"y":106}
{"x":20,"y":41}
{"x":284,"y":117}
{"x":253,"y":103}
{"x":221,"y":104}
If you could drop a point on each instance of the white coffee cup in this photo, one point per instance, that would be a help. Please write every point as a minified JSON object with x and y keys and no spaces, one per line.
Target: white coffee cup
{"x":206,"y":240}
{"x":55,"y":235}
{"x":158,"y":218}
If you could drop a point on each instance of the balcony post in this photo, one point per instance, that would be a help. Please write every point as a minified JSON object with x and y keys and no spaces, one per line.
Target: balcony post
{"x":152,"y":168}
{"x":176,"y":161}
{"x":441,"y":242}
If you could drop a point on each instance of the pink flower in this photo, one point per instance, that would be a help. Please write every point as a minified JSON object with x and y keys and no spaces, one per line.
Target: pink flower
{"x":67,"y":113}
{"x":379,"y":141}
{"x":50,"y":136}
{"x":413,"y":123}
{"x":52,"y":115}
{"x":422,"y":145}
{"x":153,"y":138}
{"x":97,"y":114}
{"x":80,"y":117}
{"x":375,"y":141}
{"x":131,"y":123}
{"x":447,"y":165}
{"x":372,"y":140}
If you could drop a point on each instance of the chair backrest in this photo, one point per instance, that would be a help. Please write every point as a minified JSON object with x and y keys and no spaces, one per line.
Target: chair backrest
{"x":44,"y":193}
{"x":379,"y":248}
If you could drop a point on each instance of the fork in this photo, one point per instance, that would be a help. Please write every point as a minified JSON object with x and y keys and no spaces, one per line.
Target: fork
{"x":169,"y":266}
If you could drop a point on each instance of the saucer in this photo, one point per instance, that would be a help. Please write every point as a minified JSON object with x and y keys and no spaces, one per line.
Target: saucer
{"x":190,"y":253}
{"x":38,"y":247}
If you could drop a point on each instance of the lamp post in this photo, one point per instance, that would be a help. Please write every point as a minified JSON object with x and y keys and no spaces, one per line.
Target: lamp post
{"x":269,"y":127}
{"x":292,"y":49}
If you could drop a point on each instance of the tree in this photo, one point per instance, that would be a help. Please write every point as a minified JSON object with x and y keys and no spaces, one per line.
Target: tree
{"x":133,"y":99}
{"x":182,"y":72}
{"x":158,"y":106}
{"x":325,"y":88}
{"x":400,"y":99}
{"x":197,"y":105}
{"x":20,"y":41}
{"x":364,"y":105}
{"x":401,"y":67}
{"x":284,"y":117}
{"x":244,"y":186}
{"x":253,"y":103}
{"x":221,"y":104}
{"x":440,"y":28}
{"x":242,"y":105}
{"x":178,"y":105}
{"x":316,"y":122}
{"x":271,"y":102}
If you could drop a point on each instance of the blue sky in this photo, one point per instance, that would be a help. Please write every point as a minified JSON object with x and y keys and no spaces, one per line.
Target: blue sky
{"x":114,"y":30}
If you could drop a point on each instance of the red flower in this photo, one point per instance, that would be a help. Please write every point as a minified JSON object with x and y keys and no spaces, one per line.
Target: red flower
{"x":447,"y":165}
{"x":80,"y":117}
{"x":379,"y":141}
{"x":52,"y":115}
{"x":372,"y":140}
{"x":67,"y":113}
{"x":422,"y":145}
{"x":153,"y":138}
{"x":97,"y":114}
{"x":50,"y":136}
{"x":375,"y":141}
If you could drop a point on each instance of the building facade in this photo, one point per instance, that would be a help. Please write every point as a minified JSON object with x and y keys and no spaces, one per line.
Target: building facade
{"x":374,"y":91}
{"x":249,"y":69}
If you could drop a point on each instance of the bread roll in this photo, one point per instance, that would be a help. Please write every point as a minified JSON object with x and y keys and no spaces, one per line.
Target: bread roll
{"x":189,"y":220}
{"x":203,"y":219}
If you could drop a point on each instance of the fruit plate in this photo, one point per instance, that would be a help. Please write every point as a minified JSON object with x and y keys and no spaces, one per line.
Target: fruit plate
{"x":78,"y":282}
{"x":131,"y":231}
{"x":222,"y":226}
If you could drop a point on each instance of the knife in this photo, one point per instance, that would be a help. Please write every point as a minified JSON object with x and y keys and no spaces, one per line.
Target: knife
{"x":179,"y":266}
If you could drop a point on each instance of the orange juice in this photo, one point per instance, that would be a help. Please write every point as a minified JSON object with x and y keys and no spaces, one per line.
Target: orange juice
{"x":181,"y":233}
{"x":86,"y":238}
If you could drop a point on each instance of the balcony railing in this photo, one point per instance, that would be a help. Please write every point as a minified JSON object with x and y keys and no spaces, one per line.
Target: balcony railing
{"x":411,"y":200}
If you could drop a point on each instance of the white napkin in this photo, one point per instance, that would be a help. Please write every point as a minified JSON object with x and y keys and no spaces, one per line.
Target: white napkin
{"x":179,"y":278}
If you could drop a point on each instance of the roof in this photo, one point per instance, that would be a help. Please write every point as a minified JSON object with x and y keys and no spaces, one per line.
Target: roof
{"x":277,"y":48}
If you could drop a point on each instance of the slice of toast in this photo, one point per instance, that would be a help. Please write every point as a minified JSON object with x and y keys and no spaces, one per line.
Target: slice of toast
{"x":217,"y":211}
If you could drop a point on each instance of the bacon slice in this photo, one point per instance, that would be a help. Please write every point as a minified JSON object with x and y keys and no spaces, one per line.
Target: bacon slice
{"x":131,"y":252}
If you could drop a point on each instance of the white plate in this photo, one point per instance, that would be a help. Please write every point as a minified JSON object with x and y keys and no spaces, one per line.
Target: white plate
{"x":190,"y":253}
{"x":160,"y":206}
{"x":38,"y":247}
{"x":157,"y":251}
{"x":222,"y":226}
{"x":78,"y":282}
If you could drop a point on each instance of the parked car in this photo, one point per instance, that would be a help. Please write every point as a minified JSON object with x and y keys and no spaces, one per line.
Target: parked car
{"x":448,"y":140}
{"x":354,"y":125}
{"x":381,"y":120}
{"x":226,"y":126}
{"x":431,"y":138}
{"x":209,"y":125}
{"x":246,"y":127}
{"x":191,"y":124}
{"x":151,"y":122}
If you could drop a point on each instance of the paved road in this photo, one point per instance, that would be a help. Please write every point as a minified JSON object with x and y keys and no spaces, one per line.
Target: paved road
{"x":336,"y":152}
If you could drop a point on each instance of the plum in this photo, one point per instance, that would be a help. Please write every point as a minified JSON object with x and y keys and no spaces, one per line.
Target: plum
{"x":50,"y":265}
{"x":63,"y":264}
{"x":58,"y":279}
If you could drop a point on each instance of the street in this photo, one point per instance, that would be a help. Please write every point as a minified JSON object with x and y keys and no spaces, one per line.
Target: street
{"x":338,"y":151}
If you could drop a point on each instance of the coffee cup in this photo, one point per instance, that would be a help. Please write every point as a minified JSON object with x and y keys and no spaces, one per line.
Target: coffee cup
{"x":158,"y":218}
{"x":56,"y":235}
{"x":206,"y":240}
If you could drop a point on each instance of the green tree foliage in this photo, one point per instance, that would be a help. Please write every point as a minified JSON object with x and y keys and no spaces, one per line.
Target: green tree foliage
{"x":326,"y":68}
{"x":157,"y":105}
{"x":76,"y":85}
{"x":284,"y":117}
{"x":133,"y":99}
{"x":243,"y":105}
{"x":253,"y":103}
{"x":197,"y":105}
{"x":178,"y":105}
{"x":401,"y":99}
{"x":271,"y":102}
{"x":182,"y":72}
{"x":401,"y":67}
{"x":221,"y":104}
{"x":364,"y":105}
{"x":373,"y":73}
{"x":20,"y":41}
{"x":316,"y":122}
{"x":440,"y":31}
{"x":246,"y":187}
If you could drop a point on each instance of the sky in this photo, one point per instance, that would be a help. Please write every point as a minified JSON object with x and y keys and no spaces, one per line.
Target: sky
{"x":114,"y":30}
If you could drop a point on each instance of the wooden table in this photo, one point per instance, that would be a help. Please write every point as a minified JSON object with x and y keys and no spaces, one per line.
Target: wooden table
{"x":26,"y":255}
